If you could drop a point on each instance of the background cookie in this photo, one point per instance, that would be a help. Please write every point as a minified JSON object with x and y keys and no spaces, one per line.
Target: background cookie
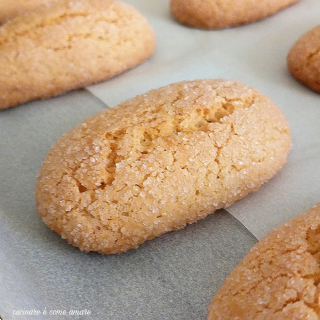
{"x":70,"y":45}
{"x":12,"y":8}
{"x":303,"y":59}
{"x":160,"y":161}
{"x":215,"y":14}
{"x":279,"y":278}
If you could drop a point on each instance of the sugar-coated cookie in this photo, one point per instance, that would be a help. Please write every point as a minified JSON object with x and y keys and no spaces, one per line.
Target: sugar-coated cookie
{"x":303,"y":59}
{"x":160,"y":161}
{"x":69,"y":45}
{"x":278,"y":279}
{"x":216,"y":14}
{"x":12,"y":8}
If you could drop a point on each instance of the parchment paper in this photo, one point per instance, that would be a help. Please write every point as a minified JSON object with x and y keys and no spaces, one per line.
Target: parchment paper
{"x":176,"y":275}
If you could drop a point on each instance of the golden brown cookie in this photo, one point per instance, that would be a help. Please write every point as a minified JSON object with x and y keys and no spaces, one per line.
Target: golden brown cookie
{"x":69,"y":45}
{"x":160,"y":161}
{"x":12,"y":8}
{"x":303,"y":59}
{"x":216,"y":14}
{"x":279,"y":279}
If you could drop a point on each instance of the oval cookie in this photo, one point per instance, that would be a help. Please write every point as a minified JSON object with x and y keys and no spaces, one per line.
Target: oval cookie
{"x":279,"y":279}
{"x":303,"y":59}
{"x":160,"y":161}
{"x":216,"y":14}
{"x":68,"y":46}
{"x":10,"y":9}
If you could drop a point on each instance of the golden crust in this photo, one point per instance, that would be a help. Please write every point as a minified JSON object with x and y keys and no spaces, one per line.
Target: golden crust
{"x":279,"y":278}
{"x":160,"y":161}
{"x":216,"y":14}
{"x":10,"y":9}
{"x":69,"y":45}
{"x":303,"y":59}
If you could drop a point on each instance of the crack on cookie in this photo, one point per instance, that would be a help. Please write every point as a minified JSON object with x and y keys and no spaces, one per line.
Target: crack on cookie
{"x":113,"y":157}
{"x":146,"y":140}
{"x":42,"y":24}
{"x":81,"y":187}
{"x":195,"y":122}
{"x":205,"y":116}
{"x":219,"y":151}
{"x":311,"y":55}
{"x":102,"y":185}
{"x":150,"y":134}
{"x":72,"y":39}
{"x":313,"y":240}
{"x":86,"y":212}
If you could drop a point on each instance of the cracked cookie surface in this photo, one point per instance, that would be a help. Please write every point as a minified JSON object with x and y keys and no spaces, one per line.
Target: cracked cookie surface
{"x":279,"y":279}
{"x":216,"y":14}
{"x":303,"y":59}
{"x":160,"y":161}
{"x":69,"y":45}
{"x":10,"y":9}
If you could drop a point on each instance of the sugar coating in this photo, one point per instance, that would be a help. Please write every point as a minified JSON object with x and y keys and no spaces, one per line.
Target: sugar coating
{"x":69,"y":45}
{"x":10,"y":9}
{"x":216,"y":14}
{"x":303,"y":59}
{"x":160,"y":161}
{"x":279,"y":278}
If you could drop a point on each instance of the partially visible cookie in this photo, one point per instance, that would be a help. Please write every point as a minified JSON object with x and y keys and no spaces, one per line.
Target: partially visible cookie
{"x":303,"y":59}
{"x":279,"y":279}
{"x":216,"y":14}
{"x":70,"y":45}
{"x":160,"y":161}
{"x":10,"y":9}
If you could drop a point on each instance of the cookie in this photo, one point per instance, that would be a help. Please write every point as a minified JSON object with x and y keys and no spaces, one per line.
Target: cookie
{"x":216,"y":14}
{"x":303,"y":59}
{"x":279,"y":278}
{"x":68,"y":46}
{"x":10,"y":9}
{"x":160,"y":161}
